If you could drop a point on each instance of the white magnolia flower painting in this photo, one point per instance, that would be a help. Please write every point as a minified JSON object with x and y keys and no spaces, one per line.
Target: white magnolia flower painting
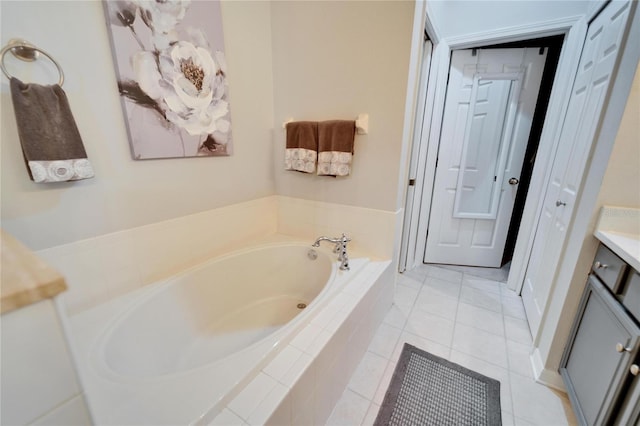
{"x":172,"y":76}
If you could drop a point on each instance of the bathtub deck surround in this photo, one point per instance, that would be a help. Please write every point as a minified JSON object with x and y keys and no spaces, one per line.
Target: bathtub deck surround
{"x":106,"y":273}
{"x":103,"y":268}
{"x":149,"y":385}
{"x":100,"y":269}
{"x":308,"y":219}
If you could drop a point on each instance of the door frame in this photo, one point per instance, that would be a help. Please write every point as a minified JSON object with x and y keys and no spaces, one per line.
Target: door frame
{"x":574,"y":30}
{"x":412,"y":210}
{"x":415,"y":153}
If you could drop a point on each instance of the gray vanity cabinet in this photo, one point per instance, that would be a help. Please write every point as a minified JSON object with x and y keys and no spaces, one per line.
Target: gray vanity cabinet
{"x":629,"y":412}
{"x":602,"y":348}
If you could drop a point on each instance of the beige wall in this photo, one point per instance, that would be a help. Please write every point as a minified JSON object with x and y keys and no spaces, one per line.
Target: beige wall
{"x":334,"y":60}
{"x":621,"y":184}
{"x":127,"y":193}
{"x":307,"y":60}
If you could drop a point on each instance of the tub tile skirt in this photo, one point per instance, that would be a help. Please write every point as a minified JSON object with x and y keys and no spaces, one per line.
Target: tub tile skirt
{"x":303,"y":382}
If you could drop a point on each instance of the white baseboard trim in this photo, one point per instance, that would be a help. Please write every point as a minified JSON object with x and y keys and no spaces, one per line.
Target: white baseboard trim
{"x":543,"y":375}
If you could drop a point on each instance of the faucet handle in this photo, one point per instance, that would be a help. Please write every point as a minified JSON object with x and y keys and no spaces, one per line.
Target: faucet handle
{"x":345,"y":239}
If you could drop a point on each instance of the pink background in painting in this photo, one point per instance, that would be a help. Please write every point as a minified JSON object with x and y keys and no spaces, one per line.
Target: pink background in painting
{"x":150,"y":137}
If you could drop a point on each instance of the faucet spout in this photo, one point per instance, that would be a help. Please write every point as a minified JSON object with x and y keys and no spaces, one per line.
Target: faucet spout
{"x":320,"y":239}
{"x":340,"y":248}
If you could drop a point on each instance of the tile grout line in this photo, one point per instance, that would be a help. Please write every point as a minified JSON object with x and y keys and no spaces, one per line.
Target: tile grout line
{"x":366,"y":412}
{"x":455,"y":320}
{"x":504,"y":325}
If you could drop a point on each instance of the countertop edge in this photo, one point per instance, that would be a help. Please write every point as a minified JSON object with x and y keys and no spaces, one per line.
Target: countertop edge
{"x":26,"y":278}
{"x":31,"y":296}
{"x":613,"y":242}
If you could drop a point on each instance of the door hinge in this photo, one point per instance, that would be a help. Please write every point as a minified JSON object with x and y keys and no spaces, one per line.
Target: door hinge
{"x":412,"y":182}
{"x":437,"y":162}
{"x":495,"y":178}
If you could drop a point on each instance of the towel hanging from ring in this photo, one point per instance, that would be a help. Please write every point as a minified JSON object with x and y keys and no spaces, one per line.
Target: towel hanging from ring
{"x":51,"y":144}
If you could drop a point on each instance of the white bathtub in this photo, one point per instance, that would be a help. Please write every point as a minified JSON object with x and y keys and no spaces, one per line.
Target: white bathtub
{"x":178,"y":351}
{"x":215,"y":310}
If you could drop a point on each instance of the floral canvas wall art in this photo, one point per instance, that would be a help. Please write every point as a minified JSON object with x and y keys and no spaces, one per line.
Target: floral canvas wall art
{"x":172,"y":76}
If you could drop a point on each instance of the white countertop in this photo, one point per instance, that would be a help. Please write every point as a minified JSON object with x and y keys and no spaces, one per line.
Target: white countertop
{"x":619,"y":229}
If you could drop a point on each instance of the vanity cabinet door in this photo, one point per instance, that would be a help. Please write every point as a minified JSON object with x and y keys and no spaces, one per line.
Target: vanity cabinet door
{"x":630,"y":407}
{"x":602,"y":346}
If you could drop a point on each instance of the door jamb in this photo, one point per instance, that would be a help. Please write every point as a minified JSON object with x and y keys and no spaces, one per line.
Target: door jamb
{"x":411,"y":210}
{"x":410,"y":220}
{"x":420,"y":25}
{"x":549,"y":139}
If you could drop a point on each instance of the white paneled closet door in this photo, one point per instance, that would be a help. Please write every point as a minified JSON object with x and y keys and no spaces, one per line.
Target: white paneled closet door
{"x":490,"y":102}
{"x":597,"y":63}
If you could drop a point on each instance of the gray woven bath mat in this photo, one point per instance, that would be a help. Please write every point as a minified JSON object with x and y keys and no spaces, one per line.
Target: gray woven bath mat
{"x":428,"y":390}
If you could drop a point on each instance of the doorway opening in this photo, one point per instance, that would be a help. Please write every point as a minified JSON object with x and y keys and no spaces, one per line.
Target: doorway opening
{"x":554,"y":45}
{"x":490,"y":233}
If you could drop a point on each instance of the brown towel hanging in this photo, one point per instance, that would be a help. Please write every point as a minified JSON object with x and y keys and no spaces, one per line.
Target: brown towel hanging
{"x":335,"y":147}
{"x":301,"y":152}
{"x":51,"y":144}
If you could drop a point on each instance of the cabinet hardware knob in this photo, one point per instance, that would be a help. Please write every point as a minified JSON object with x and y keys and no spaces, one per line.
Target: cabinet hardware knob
{"x":621,"y":348}
{"x":513,"y":181}
{"x":560,"y":203}
{"x":635,"y":370}
{"x":599,"y":265}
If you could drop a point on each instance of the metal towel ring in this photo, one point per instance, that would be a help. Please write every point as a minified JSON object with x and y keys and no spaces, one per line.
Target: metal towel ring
{"x":27,"y":52}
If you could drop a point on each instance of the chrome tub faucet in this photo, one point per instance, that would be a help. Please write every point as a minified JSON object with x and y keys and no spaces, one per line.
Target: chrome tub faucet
{"x":340,"y":248}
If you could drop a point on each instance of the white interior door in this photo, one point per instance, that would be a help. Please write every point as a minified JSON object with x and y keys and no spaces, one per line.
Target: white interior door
{"x":489,"y":107}
{"x":588,"y":95}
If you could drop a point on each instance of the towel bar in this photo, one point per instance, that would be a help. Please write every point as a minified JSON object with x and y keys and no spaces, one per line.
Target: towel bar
{"x":27,"y":52}
{"x":362,"y":124}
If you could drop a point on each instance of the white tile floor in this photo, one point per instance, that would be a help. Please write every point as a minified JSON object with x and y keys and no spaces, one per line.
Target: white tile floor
{"x":475,"y":322}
